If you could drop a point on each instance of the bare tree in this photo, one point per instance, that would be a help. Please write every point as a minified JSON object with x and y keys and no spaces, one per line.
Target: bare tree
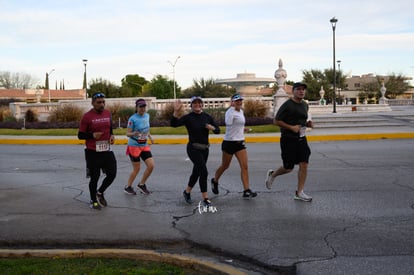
{"x":10,"y":80}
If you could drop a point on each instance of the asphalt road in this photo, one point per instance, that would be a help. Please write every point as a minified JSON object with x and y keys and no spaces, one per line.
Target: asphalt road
{"x":361,"y":220}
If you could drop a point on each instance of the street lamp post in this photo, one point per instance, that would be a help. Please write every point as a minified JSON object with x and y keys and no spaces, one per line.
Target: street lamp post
{"x":333,"y":22}
{"x":47,"y":81}
{"x":173,"y":66}
{"x":339,"y":78}
{"x":84,"y":75}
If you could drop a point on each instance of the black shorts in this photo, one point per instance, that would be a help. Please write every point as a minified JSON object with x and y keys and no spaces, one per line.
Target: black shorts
{"x":294,"y":151}
{"x":144,"y":156}
{"x":231,"y":147}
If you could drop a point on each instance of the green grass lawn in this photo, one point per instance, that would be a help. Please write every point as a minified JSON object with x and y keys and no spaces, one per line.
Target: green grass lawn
{"x":90,"y":266}
{"x":154,"y":130}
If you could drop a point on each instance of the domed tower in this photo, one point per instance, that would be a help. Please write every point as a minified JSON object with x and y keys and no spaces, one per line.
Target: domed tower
{"x":246,"y":84}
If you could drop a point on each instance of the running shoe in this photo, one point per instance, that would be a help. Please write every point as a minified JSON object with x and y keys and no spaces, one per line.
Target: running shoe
{"x":187,"y":197}
{"x":269,"y":179}
{"x":249,"y":194}
{"x":214,"y":186}
{"x":143,"y":189}
{"x":101,"y":199}
{"x":95,"y":205}
{"x":207,"y":203}
{"x":301,"y":196}
{"x":129,"y":190}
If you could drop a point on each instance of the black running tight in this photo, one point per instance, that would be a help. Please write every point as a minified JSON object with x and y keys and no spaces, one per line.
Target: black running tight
{"x":200,"y":173}
{"x":95,"y":162}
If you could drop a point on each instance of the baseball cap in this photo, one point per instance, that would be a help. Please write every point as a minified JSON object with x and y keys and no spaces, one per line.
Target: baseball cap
{"x":98,"y":95}
{"x":140,"y":102}
{"x":299,"y":84}
{"x":193,"y":98}
{"x":236,"y":97}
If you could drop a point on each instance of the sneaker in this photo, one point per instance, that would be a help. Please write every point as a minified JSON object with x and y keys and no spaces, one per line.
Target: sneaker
{"x":302,"y":197}
{"x":101,"y":199}
{"x":214,"y":186}
{"x":207,"y":203}
{"x":187,"y":197}
{"x":129,"y":190}
{"x":269,"y":179}
{"x":95,"y":205}
{"x":249,"y":194}
{"x":143,"y":189}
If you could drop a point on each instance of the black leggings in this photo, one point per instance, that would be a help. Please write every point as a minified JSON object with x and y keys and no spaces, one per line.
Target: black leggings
{"x":199,"y":159}
{"x":95,"y":162}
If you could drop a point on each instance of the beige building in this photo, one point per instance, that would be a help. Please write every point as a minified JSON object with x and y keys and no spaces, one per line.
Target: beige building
{"x":42,"y":95}
{"x":355,"y":84}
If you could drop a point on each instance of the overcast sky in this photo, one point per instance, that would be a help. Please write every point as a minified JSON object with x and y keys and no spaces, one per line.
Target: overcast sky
{"x":214,"y":38}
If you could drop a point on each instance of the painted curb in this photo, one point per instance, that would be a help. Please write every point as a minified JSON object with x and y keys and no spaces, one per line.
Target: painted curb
{"x":213,"y":140}
{"x":202,"y":266}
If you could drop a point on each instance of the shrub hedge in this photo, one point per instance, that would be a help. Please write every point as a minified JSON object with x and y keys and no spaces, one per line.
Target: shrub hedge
{"x":68,"y":116}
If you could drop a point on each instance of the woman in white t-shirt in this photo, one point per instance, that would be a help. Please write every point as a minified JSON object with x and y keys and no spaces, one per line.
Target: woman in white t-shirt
{"x":234,"y":144}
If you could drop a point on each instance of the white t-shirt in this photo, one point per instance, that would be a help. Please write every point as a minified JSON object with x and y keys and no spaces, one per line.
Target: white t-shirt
{"x":234,"y":125}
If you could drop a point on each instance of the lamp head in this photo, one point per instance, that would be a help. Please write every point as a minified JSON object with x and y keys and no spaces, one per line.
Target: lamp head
{"x":333,"y":22}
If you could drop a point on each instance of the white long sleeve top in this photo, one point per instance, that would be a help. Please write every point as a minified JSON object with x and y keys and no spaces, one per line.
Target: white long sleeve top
{"x":235,"y":122}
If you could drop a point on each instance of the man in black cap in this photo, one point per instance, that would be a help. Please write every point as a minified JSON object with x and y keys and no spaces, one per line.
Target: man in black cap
{"x":292,"y":118}
{"x":96,"y":129}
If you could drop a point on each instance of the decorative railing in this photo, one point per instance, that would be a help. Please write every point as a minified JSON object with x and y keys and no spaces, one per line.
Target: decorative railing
{"x":400,"y":102}
{"x":43,"y":109}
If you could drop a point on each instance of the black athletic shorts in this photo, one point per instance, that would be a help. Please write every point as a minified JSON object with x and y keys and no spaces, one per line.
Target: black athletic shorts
{"x":231,"y":147}
{"x":144,"y":156}
{"x":294,"y":151}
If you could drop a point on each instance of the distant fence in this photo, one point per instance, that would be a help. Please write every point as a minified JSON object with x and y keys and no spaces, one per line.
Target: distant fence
{"x":400,"y":102}
{"x":43,"y":110}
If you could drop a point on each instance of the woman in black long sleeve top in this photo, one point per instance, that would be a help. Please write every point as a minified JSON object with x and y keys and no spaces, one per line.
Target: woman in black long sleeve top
{"x":198,"y":125}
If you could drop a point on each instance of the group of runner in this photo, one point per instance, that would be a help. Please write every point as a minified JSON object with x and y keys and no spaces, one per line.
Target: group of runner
{"x":96,"y":129}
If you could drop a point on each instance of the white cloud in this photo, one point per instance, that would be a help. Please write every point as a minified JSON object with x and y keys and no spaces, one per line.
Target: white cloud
{"x":214,"y":38}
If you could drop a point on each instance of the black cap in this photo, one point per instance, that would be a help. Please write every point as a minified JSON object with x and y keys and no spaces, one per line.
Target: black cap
{"x":299,"y":84}
{"x":98,"y":95}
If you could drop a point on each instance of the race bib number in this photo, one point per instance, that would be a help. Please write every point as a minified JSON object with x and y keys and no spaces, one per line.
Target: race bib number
{"x":302,"y":131}
{"x":102,"y":146}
